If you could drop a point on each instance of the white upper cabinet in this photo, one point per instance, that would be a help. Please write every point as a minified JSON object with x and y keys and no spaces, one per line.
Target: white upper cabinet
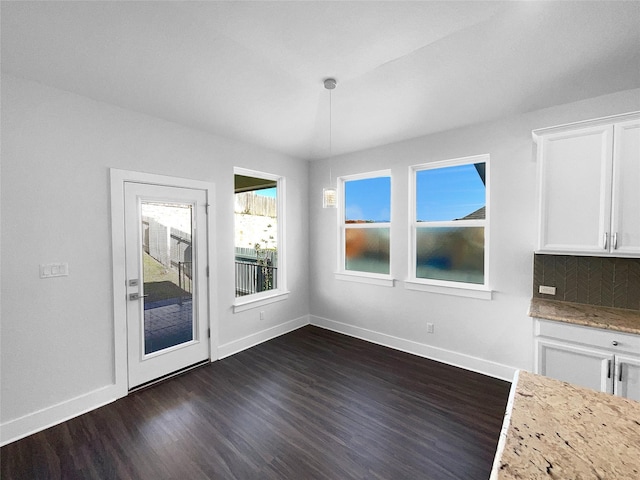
{"x":589,"y":187}
{"x":625,"y":212}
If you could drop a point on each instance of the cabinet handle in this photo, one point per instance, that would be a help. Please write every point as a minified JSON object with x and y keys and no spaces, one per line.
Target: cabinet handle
{"x":606,"y":237}
{"x":620,"y":372}
{"x":614,"y":343}
{"x":615,"y":241}
{"x":608,"y":368}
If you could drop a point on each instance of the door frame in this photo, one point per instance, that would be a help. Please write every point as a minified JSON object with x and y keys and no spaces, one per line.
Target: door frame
{"x":118,"y":179}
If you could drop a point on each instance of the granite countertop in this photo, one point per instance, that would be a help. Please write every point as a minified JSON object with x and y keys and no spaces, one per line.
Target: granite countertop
{"x":588,"y":315}
{"x":556,"y":430}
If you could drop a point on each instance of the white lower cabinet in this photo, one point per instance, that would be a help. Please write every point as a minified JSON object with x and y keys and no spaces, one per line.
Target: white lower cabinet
{"x":602,"y":360}
{"x":627,"y":382}
{"x":575,"y":364}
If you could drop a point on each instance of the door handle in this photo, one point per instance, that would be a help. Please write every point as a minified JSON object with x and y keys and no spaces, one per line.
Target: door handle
{"x":137,"y":296}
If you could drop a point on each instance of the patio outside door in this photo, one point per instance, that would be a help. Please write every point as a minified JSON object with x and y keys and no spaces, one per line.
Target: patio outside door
{"x":166,"y":269}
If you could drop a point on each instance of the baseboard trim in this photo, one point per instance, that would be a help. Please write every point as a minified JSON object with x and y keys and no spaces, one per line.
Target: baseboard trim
{"x":456,"y":359}
{"x":48,"y":417}
{"x":257,"y":338}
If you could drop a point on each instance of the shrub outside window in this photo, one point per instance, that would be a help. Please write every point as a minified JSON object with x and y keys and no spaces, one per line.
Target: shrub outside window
{"x":450,"y":223}
{"x":365,"y":223}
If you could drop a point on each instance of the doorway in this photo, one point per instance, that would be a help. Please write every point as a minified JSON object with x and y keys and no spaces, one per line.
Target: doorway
{"x":164,"y":268}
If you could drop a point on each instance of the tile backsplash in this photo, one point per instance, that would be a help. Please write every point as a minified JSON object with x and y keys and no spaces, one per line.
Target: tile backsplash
{"x":605,"y":281}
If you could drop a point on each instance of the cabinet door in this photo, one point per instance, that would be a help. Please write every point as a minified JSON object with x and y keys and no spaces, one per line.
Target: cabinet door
{"x":582,"y":366}
{"x":575,"y":190}
{"x":628,"y":377}
{"x":626,"y":189}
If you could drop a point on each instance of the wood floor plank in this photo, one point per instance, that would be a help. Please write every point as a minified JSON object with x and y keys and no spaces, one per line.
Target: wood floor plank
{"x":312,"y":404}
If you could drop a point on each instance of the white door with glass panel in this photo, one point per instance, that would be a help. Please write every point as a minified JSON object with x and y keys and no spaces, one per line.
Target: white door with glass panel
{"x":166,"y":269}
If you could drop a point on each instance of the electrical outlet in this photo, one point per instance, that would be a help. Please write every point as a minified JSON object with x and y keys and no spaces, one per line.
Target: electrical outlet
{"x":429,"y":327}
{"x":547,"y":290}
{"x":261,"y":314}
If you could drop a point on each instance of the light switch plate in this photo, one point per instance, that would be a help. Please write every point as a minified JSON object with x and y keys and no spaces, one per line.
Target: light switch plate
{"x":49,"y":270}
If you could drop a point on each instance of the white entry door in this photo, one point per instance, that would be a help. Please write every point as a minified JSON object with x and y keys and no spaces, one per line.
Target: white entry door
{"x":166,"y":271}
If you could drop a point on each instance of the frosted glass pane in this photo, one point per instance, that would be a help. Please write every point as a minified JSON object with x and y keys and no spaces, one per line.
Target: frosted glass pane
{"x":368,"y":200}
{"x":367,"y":250}
{"x":451,"y":193}
{"x":450,"y":253}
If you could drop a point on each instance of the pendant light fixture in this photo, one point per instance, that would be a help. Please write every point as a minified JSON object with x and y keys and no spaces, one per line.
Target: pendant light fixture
{"x":329,"y":194}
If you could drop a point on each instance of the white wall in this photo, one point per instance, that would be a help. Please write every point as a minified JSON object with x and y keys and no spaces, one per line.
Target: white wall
{"x":490,"y":336}
{"x":57,"y":334}
{"x":57,"y":148}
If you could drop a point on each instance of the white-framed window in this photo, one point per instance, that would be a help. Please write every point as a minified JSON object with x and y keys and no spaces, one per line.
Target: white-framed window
{"x":365,"y":228}
{"x":449,"y":221}
{"x":259,"y":234}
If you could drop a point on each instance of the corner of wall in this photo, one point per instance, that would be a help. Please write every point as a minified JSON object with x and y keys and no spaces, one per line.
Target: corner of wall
{"x":456,"y":359}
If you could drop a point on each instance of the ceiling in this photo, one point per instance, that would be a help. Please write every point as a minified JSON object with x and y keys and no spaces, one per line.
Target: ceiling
{"x":254,"y":71}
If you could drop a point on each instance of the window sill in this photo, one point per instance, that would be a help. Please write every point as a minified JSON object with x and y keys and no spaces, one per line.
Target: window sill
{"x":247,"y":303}
{"x":463,"y":290}
{"x":370,"y":278}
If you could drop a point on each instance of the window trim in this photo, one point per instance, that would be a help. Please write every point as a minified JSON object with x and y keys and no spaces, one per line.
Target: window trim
{"x":447,"y":287}
{"x":260,"y":299}
{"x":382,"y":279}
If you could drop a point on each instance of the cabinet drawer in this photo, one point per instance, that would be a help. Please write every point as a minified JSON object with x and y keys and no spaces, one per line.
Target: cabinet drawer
{"x":594,"y":337}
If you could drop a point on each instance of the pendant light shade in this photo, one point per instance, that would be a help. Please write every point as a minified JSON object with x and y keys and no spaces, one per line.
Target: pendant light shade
{"x":329,"y":197}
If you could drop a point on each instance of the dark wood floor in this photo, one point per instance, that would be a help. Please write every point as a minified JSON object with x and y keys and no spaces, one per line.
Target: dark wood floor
{"x":311,"y":404}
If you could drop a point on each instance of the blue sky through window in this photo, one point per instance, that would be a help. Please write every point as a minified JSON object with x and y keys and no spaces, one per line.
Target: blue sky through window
{"x":448,"y":193}
{"x":267,"y":192}
{"x":442,"y":194}
{"x":368,"y":199}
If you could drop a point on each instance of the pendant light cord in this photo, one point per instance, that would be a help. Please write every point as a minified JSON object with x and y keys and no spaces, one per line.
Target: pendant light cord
{"x":330,"y":126}
{"x":330,"y":84}
{"x":330,"y":138}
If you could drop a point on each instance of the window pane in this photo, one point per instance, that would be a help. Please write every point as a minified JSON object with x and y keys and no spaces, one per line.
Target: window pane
{"x":368,"y":200}
{"x":451,"y":193}
{"x":166,"y":248}
{"x":450,"y":253}
{"x":256,"y":235}
{"x":367,"y":250}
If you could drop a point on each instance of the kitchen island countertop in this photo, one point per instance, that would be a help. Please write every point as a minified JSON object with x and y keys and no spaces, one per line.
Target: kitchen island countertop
{"x":556,"y":430}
